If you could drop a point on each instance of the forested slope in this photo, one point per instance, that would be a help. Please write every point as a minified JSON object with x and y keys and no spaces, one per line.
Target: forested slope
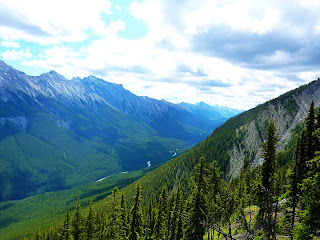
{"x":237,"y":143}
{"x":264,"y":203}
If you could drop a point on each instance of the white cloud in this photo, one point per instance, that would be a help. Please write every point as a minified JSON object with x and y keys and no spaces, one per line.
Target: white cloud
{"x":166,"y":62}
{"x":118,"y":8}
{"x":16,"y":55}
{"x":48,"y":21}
{"x":10,"y":44}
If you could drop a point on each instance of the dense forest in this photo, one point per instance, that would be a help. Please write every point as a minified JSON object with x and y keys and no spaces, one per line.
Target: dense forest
{"x":272,"y":201}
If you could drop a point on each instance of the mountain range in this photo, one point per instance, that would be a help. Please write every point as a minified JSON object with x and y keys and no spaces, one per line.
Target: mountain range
{"x":71,"y":125}
{"x":207,"y":111}
{"x":237,"y":144}
{"x":57,"y":133}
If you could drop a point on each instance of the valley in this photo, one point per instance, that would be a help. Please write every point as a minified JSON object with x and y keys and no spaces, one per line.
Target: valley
{"x":232,"y":148}
{"x":159,"y":120}
{"x":57,"y":134}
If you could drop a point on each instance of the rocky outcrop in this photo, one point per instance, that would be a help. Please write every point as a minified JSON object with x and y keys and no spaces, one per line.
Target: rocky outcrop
{"x":286,"y":112}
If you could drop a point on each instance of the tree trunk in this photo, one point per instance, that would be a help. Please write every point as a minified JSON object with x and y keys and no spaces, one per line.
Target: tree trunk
{"x":250,"y":217}
{"x":244,"y":220}
{"x":230,"y":231}
{"x":292,"y":220}
{"x":275,"y":220}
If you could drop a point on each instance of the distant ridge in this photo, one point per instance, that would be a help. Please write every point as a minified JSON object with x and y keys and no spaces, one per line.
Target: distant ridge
{"x":57,"y":133}
{"x":237,"y":142}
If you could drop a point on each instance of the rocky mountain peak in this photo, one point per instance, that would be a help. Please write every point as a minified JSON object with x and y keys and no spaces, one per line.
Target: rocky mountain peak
{"x":53,"y":75}
{"x":5,"y":67}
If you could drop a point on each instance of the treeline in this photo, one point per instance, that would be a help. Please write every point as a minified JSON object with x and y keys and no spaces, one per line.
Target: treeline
{"x":260,"y":203}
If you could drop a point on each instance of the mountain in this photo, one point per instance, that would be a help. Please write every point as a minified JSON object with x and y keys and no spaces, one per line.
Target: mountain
{"x":209,"y":112}
{"x":237,"y":143}
{"x":203,"y":110}
{"x":226,"y":111}
{"x":57,"y":133}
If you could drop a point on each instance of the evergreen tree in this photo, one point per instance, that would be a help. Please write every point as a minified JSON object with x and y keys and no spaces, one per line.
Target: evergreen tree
{"x":214,"y":210}
{"x":123,"y":219}
{"x":309,"y":226}
{"x":150,"y":219}
{"x":248,"y":193}
{"x":198,"y":205}
{"x":90,"y":225}
{"x":161,"y":224}
{"x":180,"y":221}
{"x":114,"y":223}
{"x":265,"y":198}
{"x":227,"y":204}
{"x":241,"y":197}
{"x":310,"y":130}
{"x":77,"y":222}
{"x":170,"y":216}
{"x":317,"y":126}
{"x":65,"y":230}
{"x":174,"y":215}
{"x":100,"y":223}
{"x":296,"y":176}
{"x":277,"y":190}
{"x":136,"y":224}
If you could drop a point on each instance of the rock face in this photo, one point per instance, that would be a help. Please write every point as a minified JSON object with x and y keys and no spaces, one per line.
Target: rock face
{"x":57,"y":133}
{"x":286,"y":111}
{"x":237,"y":142}
{"x":91,"y":92}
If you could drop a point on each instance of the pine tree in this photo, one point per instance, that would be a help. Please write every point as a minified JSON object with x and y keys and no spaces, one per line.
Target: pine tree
{"x":180,"y":220}
{"x":227,"y":204}
{"x":309,"y":226}
{"x":123,"y":219}
{"x":296,"y":176}
{"x":277,"y":190}
{"x":114,"y":221}
{"x":310,"y":130}
{"x":198,"y":205}
{"x":150,"y":219}
{"x":77,"y":223}
{"x":170,"y":221}
{"x":248,"y":193}
{"x":174,"y":215}
{"x":136,"y":224}
{"x":214,"y":190}
{"x":100,"y":222}
{"x":90,"y":225}
{"x":162,"y":219}
{"x":317,"y":126}
{"x":65,"y":230}
{"x":265,"y":199}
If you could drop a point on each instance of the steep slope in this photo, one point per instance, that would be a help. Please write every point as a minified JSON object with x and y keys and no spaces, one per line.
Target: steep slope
{"x":57,"y":133}
{"x":237,"y":142}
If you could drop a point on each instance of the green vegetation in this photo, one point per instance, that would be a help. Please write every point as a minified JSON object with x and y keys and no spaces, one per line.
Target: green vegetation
{"x":53,"y":154}
{"x":22,"y":217}
{"x":266,"y":186}
{"x":212,"y":207}
{"x":168,"y":194}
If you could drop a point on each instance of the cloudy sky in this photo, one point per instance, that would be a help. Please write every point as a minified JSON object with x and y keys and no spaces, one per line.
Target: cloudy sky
{"x":237,"y":53}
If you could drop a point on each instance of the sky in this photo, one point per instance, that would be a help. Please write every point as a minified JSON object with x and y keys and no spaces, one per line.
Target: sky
{"x":236,"y":53}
